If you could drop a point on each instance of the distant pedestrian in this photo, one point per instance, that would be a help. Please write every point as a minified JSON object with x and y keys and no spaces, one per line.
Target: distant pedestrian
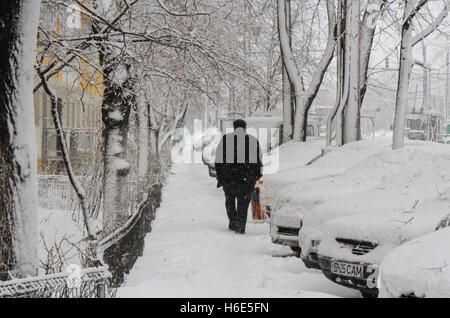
{"x":239,"y":166}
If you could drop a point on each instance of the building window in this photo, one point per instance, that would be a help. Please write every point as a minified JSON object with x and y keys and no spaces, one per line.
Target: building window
{"x":52,"y":147}
{"x":82,"y":142}
{"x":310,"y":131}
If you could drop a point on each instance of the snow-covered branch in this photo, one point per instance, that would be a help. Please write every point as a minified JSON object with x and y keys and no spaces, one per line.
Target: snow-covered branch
{"x":167,"y":132}
{"x":433,"y":26}
{"x":76,"y":185}
{"x":407,"y":61}
{"x":179,"y":14}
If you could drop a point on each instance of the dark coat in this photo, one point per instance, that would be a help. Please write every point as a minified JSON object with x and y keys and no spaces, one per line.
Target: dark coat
{"x":238,"y":159}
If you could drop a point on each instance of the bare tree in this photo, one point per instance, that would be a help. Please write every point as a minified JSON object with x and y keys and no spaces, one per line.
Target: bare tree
{"x":406,"y":62}
{"x":304,"y":97}
{"x":354,"y":51}
{"x":288,"y":105}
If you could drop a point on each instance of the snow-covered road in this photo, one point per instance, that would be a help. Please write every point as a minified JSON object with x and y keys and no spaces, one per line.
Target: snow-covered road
{"x":191,"y":252}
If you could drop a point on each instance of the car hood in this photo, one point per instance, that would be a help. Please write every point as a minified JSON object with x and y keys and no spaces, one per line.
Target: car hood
{"x":209,"y":152}
{"x":287,"y":215}
{"x":386,"y":230}
{"x":419,"y":267}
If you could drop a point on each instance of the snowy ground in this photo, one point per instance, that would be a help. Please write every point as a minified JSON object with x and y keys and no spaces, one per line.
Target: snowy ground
{"x":191,"y":253}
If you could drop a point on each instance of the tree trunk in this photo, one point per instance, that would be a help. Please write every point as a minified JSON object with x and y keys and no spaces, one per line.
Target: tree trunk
{"x":288,"y":104}
{"x":367,"y":32}
{"x":291,"y":68}
{"x":116,"y":108}
{"x":358,"y":37}
{"x":142,"y":135}
{"x":18,"y":170}
{"x":153,"y":138}
{"x":287,"y":107}
{"x":352,"y":109}
{"x":168,"y":129}
{"x":301,"y":119}
{"x":336,"y":112}
{"x":118,"y":99}
{"x":406,"y":63}
{"x":404,"y":73}
{"x":304,"y":100}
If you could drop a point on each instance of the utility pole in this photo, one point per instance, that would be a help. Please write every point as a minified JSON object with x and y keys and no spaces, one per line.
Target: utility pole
{"x":247,"y":55}
{"x":425,"y":97}
{"x":414,"y":105}
{"x":447,"y":93}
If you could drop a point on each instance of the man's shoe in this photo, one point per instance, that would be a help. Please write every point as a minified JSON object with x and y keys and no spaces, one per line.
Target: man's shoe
{"x":232,"y":227}
{"x":240,"y":231}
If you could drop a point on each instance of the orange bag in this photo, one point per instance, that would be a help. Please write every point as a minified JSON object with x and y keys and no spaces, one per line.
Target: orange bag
{"x":258,"y":211}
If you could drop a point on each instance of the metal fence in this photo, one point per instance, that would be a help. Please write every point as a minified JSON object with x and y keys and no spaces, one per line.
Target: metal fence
{"x":91,"y":283}
{"x":121,"y":248}
{"x":55,"y":192}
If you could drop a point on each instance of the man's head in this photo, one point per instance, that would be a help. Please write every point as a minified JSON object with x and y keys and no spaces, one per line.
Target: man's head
{"x":239,"y":123}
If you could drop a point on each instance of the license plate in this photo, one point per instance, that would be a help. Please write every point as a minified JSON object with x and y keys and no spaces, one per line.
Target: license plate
{"x":346,"y":269}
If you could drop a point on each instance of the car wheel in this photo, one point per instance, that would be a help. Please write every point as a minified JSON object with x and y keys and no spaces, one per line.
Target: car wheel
{"x":212,"y":173}
{"x":367,"y":294}
{"x":297,"y":251}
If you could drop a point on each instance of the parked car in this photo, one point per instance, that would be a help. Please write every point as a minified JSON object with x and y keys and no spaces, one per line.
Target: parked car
{"x":419,"y":268}
{"x":417,"y":135}
{"x":309,"y":251}
{"x":205,"y":138}
{"x":444,"y":139}
{"x":209,"y":154}
{"x":360,"y":215}
{"x":285,"y":224}
{"x":352,"y":247}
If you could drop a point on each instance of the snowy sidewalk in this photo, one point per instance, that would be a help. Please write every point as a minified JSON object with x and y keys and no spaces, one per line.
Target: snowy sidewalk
{"x":191,"y":252}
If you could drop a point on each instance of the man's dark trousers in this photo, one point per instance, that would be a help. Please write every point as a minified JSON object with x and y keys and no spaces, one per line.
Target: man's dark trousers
{"x":237,"y":214}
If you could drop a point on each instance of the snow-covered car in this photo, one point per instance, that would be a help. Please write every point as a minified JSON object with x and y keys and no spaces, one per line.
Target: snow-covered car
{"x":353,"y":247}
{"x":285,"y":224}
{"x":209,"y":154}
{"x":444,"y":139}
{"x":417,"y":135}
{"x":205,"y":138}
{"x":418,"y":268}
{"x":371,"y":208}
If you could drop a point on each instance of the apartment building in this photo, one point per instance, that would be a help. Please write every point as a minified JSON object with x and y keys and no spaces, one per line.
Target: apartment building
{"x":79,"y":95}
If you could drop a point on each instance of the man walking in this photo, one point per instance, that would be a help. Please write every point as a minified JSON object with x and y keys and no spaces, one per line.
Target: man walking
{"x":238,"y":165}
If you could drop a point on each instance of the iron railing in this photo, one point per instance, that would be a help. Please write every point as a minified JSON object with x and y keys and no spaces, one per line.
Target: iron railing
{"x":55,"y":192}
{"x":91,"y":283}
{"x":122,"y":247}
